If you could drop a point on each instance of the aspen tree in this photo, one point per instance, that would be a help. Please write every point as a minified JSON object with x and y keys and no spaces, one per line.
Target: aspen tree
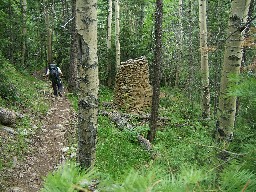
{"x":109,"y":41}
{"x":117,"y":31}
{"x":204,"y":60}
{"x":88,"y":82}
{"x":231,"y":65}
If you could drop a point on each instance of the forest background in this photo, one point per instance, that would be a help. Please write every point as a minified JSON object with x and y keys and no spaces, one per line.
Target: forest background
{"x":187,"y":155}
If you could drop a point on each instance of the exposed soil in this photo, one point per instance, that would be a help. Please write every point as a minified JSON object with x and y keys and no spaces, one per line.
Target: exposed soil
{"x":45,"y":149}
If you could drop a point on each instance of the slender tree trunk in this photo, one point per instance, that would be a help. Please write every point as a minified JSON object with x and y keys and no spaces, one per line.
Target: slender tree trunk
{"x":109,"y":24}
{"x":204,"y":60}
{"x":246,"y":32}
{"x":231,"y":65}
{"x":117,"y":21}
{"x":191,"y":71}
{"x":11,"y":33}
{"x":109,"y":38}
{"x":179,"y":65}
{"x":24,"y":31}
{"x":88,"y":81}
{"x":156,"y":70}
{"x":72,"y":85}
{"x":49,"y":33}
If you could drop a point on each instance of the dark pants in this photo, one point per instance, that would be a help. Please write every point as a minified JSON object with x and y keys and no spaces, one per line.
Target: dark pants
{"x":57,"y":87}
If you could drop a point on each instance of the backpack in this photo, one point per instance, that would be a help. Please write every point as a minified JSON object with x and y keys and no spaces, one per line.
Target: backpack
{"x":53,"y":72}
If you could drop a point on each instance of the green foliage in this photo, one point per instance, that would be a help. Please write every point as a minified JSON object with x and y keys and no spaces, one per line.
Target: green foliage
{"x":7,"y":90}
{"x":21,"y":90}
{"x":234,"y":178}
{"x":68,"y":178}
{"x":244,"y":87}
{"x":115,"y":153}
{"x":105,"y":94}
{"x":183,"y":157}
{"x":248,"y":160}
{"x":74,"y":100}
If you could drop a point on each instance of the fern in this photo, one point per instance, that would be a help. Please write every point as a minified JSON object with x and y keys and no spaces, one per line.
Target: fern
{"x":234,"y":178}
{"x":67,"y":178}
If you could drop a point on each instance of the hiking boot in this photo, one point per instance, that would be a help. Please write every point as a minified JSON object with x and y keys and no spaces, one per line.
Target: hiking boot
{"x":60,"y":94}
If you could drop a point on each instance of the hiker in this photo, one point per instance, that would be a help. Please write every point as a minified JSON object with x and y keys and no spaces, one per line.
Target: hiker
{"x":54,"y":74}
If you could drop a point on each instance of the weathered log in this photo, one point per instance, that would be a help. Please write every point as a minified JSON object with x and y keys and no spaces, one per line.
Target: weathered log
{"x":122,"y":123}
{"x":145,"y":117}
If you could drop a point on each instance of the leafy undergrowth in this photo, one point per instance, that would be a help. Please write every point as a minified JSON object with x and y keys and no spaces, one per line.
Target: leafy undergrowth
{"x":23,"y":94}
{"x":184,"y":156}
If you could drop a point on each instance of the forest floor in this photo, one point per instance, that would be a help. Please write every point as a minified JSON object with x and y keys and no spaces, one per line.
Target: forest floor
{"x":45,"y":150}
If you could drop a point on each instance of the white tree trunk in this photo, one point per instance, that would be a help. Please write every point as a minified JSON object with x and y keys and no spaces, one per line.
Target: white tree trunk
{"x":88,"y":81}
{"x":204,"y":60}
{"x":109,"y":24}
{"x":231,"y":65}
{"x":179,"y":65}
{"x":117,"y":21}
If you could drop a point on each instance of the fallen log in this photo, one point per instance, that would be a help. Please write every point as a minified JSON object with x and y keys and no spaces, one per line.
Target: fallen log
{"x":122,"y":123}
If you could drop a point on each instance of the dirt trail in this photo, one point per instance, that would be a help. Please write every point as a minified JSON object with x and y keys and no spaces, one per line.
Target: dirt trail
{"x":45,"y":148}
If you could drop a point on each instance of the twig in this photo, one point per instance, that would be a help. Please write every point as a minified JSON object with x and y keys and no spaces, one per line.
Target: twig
{"x":223,"y":150}
{"x":64,"y":26}
{"x":154,"y":184}
{"x":246,"y":185}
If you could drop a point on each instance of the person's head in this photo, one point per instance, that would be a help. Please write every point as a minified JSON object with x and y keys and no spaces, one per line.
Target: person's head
{"x":51,"y":65}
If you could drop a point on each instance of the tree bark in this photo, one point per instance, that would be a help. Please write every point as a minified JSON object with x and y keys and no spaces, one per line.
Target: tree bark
{"x":49,"y":33}
{"x":204,"y":60}
{"x":24,"y":31}
{"x":117,"y":32}
{"x":72,"y":78}
{"x":88,"y":81}
{"x":231,"y":65}
{"x":179,"y":65}
{"x":109,"y":24}
{"x":156,"y":70}
{"x":110,"y":78}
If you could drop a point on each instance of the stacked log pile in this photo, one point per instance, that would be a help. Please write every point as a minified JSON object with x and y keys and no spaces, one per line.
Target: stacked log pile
{"x":133,"y":91}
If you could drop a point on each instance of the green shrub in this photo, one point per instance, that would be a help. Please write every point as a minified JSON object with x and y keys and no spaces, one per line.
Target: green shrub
{"x":8,"y":91}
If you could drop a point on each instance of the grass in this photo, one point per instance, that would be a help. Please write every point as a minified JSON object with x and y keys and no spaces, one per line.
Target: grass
{"x":21,"y":93}
{"x":184,"y":156}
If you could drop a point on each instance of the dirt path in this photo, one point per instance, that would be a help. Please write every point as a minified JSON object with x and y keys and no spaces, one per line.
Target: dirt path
{"x":45,"y":148}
